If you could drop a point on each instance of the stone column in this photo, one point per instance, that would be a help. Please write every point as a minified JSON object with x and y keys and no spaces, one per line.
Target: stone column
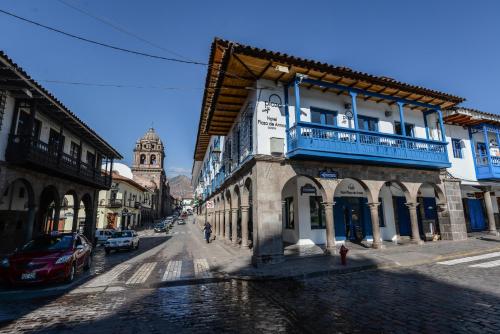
{"x":30,"y":221}
{"x":227,"y":237}
{"x":415,"y":234}
{"x":375,"y":225}
{"x":330,"y":228}
{"x":244,"y":226}
{"x":234,"y":221}
{"x":76,"y":209}
{"x":489,"y":212}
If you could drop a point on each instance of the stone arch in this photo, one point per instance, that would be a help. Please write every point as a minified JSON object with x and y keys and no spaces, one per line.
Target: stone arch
{"x":17,"y":214}
{"x":48,"y":211}
{"x":430,"y":202}
{"x":236,"y":214}
{"x":248,"y":201}
{"x":303,"y":216}
{"x":352,"y":215}
{"x":152,"y":159}
{"x":393,"y":197}
{"x":142,"y":159}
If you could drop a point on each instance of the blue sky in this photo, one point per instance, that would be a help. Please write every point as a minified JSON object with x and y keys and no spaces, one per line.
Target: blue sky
{"x":452,"y":46}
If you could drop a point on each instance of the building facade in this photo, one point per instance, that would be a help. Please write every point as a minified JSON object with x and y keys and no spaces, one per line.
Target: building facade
{"x":148,"y":171}
{"x":50,"y":163}
{"x":292,"y":151}
{"x":126,"y":205}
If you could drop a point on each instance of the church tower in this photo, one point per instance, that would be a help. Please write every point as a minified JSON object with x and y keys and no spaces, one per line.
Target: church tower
{"x":147,"y":168}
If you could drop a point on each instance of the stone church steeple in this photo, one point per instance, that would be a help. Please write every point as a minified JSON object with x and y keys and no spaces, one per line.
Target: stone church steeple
{"x":147,"y":168}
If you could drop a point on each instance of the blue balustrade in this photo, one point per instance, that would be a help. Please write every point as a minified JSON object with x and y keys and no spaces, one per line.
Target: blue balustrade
{"x":316,"y":140}
{"x":486,"y":170}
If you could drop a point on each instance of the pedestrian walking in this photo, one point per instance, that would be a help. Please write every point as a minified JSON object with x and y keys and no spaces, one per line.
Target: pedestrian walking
{"x":208,"y":231}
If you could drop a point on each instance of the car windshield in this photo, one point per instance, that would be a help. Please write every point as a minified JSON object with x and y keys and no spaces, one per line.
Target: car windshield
{"x":123,"y":234}
{"x":49,"y":243}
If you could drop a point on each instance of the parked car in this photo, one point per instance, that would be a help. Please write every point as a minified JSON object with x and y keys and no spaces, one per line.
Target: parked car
{"x":48,"y":258}
{"x":160,"y":227}
{"x":101,"y":235}
{"x":181,"y":222}
{"x":127,"y":239}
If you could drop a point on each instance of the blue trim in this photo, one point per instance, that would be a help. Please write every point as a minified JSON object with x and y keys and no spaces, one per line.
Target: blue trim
{"x":402,"y":119}
{"x":487,"y":144}
{"x":307,"y":153}
{"x":354,"y":109}
{"x":441,"y":125}
{"x":297,"y":101}
{"x":457,"y":150}
{"x":287,"y":121}
{"x":366,"y":93}
{"x":427,"y":135}
{"x":473,"y":149}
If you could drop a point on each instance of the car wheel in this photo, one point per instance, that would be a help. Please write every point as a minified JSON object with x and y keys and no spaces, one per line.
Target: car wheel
{"x":107,"y":250}
{"x":72,"y":272}
{"x":88,"y":263}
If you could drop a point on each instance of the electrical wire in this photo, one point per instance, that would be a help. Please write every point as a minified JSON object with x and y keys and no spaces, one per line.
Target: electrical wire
{"x":119,"y":28}
{"x":117,"y":48}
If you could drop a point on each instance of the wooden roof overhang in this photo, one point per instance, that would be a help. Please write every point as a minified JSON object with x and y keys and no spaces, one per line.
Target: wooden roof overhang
{"x":469,"y":117}
{"x":20,"y":85}
{"x":234,"y":68}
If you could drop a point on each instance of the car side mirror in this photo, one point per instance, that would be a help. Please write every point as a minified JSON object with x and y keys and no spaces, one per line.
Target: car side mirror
{"x":79,"y":247}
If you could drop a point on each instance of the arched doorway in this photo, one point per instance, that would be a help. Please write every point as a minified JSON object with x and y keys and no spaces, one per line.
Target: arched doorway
{"x":429,"y":196}
{"x":351,"y":212}
{"x":67,"y":212}
{"x":236,"y":209}
{"x":394,"y":215}
{"x":16,"y":214}
{"x":303,"y":215}
{"x":48,"y":219}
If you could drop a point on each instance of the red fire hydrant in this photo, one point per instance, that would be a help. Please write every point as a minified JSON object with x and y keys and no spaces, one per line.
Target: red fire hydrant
{"x":343,"y":254}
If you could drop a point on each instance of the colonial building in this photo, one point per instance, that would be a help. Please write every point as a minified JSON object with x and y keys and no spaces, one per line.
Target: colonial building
{"x":50,"y":162}
{"x":127,"y":204}
{"x":473,"y":147}
{"x":293,"y":151}
{"x":148,"y":171}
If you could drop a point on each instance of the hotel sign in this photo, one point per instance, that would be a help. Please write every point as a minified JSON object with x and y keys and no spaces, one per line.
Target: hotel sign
{"x":308,"y":189}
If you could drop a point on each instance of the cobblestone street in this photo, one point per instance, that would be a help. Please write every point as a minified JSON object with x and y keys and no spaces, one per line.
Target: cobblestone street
{"x":452,"y":296}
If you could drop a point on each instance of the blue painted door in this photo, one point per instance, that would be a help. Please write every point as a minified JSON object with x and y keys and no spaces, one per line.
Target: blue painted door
{"x":352,"y":218}
{"x":403,"y":216}
{"x":476,"y":214}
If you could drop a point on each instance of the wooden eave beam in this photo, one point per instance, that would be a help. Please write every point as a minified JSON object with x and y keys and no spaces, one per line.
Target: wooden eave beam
{"x":255,"y":76}
{"x":264,"y":70}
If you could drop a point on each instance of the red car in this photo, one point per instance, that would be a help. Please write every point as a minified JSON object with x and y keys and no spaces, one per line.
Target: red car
{"x":49,"y":258}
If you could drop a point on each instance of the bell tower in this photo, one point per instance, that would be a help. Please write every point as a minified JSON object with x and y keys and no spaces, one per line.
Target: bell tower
{"x":147,"y":167}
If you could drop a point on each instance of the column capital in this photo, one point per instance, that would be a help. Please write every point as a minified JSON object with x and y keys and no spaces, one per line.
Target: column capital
{"x":234,"y":210}
{"x":412,"y":205}
{"x":328,"y":204}
{"x":374,"y":205}
{"x":245,"y":207}
{"x":227,"y":210}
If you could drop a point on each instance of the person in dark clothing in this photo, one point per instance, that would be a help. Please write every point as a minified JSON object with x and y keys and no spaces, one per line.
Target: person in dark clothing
{"x":208,"y":231}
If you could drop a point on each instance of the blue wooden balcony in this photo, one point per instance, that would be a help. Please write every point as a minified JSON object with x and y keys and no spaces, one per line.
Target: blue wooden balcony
{"x":487,"y":169}
{"x":310,"y":140}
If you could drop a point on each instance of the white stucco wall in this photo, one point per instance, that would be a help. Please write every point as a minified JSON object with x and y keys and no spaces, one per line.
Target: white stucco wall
{"x":6,"y":124}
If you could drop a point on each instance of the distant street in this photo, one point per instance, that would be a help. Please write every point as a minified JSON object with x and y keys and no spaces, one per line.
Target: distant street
{"x":127,"y":297}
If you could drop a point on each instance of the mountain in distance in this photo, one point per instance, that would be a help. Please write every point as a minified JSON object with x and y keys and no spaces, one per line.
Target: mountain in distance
{"x":180,"y":187}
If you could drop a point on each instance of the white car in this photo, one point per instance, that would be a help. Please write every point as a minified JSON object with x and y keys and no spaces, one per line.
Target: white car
{"x":101,"y":235}
{"x":127,"y":239}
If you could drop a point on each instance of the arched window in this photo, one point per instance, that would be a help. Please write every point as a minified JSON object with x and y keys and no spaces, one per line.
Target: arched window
{"x":153,"y":160}
{"x":142,"y":159}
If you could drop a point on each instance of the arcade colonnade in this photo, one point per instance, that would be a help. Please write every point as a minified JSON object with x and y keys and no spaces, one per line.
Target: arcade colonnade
{"x":264,"y":204}
{"x":32,"y":204}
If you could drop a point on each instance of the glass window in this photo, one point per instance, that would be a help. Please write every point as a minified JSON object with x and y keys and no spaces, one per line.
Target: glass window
{"x":457,"y":148}
{"x":74,"y":149}
{"x":289,"y":217}
{"x":316,"y":212}
{"x":90,"y":159}
{"x":323,"y":116}
{"x":408,"y":128}
{"x":368,"y":123}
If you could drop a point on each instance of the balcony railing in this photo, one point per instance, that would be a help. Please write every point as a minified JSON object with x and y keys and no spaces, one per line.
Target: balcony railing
{"x":114,"y":203}
{"x":322,"y":141}
{"x":27,"y":150}
{"x":486,"y":169}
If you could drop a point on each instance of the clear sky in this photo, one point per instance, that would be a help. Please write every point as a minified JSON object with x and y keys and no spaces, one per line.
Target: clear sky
{"x":451,"y":46}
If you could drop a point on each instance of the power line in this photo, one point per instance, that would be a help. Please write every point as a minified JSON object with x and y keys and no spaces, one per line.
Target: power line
{"x":121,"y":29}
{"x":117,"y":48}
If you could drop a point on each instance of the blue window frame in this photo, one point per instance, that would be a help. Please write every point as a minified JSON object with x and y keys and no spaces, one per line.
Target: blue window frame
{"x":368,"y":123}
{"x":323,"y":116}
{"x":457,"y":148}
